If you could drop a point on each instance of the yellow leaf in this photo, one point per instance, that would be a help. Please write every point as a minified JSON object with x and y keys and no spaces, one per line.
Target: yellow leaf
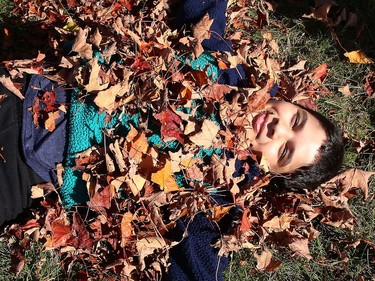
{"x":164,"y":178}
{"x":218,"y":212}
{"x":358,"y":57}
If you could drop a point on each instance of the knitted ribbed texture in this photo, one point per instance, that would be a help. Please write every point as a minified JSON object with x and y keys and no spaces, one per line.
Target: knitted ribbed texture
{"x":205,"y":62}
{"x":86,"y":127}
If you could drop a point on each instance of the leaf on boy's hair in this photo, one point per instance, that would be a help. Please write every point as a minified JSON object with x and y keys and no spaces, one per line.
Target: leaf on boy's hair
{"x":358,"y":57}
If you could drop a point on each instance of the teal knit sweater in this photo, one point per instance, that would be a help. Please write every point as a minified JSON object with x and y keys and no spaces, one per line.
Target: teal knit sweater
{"x":86,"y":128}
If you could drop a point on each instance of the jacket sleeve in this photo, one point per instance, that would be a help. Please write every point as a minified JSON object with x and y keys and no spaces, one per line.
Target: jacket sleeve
{"x":43,"y":148}
{"x":190,"y":12}
{"x":194,"y":258}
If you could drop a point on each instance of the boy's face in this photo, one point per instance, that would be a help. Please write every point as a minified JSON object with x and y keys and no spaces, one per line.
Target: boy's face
{"x":288,"y":136}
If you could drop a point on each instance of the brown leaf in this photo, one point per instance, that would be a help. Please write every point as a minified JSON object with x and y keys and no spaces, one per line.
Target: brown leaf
{"x":82,"y":236}
{"x":320,"y":12}
{"x":345,"y":90}
{"x":370,"y":84}
{"x":265,"y":261}
{"x":18,"y":260}
{"x":207,"y":135}
{"x":353,"y":178}
{"x":170,"y":125}
{"x":80,"y":46}
{"x":201,"y":31}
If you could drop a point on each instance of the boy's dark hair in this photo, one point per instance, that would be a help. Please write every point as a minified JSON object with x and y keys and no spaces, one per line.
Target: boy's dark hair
{"x":325,"y":167}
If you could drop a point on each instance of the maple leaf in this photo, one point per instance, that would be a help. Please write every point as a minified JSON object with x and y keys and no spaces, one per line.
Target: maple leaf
{"x":61,"y":232}
{"x":170,"y":125}
{"x":207,"y":135}
{"x":353,"y":178}
{"x":164,"y":178}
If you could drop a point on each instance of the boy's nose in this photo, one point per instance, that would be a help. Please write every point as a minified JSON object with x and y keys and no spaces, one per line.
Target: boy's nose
{"x":277,"y":130}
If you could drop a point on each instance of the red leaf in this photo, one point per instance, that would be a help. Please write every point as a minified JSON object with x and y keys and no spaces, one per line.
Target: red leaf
{"x":61,"y":232}
{"x":49,"y":99}
{"x":245,"y":222}
{"x":83,"y":239}
{"x":170,"y":125}
{"x":139,"y":65}
{"x":319,"y":73}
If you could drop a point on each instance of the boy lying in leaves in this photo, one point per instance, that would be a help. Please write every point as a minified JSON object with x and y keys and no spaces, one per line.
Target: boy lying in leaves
{"x":190,"y":150}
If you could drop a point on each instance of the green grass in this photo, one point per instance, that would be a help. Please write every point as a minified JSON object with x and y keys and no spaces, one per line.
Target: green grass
{"x":40,"y":265}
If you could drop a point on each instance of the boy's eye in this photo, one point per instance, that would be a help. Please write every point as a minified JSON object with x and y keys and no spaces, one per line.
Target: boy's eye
{"x":283,"y":153}
{"x":295,"y":120}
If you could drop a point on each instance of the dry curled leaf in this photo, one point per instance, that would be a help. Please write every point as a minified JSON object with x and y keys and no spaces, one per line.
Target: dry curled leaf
{"x":353,"y":178}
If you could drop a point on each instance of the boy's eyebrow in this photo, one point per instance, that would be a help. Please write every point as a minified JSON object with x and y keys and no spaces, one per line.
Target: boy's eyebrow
{"x":286,"y":160}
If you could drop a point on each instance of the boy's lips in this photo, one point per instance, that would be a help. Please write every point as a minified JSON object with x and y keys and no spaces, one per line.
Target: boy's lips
{"x":258,"y":123}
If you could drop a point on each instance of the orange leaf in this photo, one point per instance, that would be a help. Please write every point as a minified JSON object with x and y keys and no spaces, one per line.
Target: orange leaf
{"x":126,"y":228}
{"x":358,"y":57}
{"x":165,"y":179}
{"x":219,"y":212}
{"x":61,"y":232}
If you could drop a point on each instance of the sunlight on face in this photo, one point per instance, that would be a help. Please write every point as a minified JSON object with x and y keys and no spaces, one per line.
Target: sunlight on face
{"x":288,"y":136}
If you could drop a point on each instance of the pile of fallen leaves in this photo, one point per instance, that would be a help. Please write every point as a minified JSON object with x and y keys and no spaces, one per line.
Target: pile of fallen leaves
{"x":123,"y":56}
